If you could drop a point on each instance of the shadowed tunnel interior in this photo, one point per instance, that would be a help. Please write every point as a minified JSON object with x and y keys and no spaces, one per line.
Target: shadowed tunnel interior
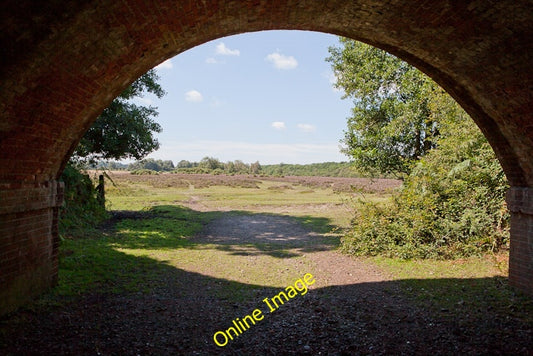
{"x":63,"y":63}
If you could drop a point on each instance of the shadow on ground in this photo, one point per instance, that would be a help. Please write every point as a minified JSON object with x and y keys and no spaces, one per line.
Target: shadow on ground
{"x":181,"y":311}
{"x":140,"y":306}
{"x":236,"y":232}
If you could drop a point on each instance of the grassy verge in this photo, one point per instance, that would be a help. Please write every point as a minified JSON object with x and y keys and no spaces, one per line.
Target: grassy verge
{"x":98,"y":261}
{"x":144,"y":247}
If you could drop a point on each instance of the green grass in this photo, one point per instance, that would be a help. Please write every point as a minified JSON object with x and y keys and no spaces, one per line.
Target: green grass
{"x":134,"y":255}
{"x":92,"y":264}
{"x":141,"y":198}
{"x":99,"y":261}
{"x":298,"y":200}
{"x":267,"y":196}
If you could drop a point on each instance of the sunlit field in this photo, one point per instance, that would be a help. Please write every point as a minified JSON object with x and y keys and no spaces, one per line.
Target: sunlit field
{"x":330,"y":198}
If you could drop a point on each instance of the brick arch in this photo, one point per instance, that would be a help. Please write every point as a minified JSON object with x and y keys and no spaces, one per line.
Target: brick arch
{"x":62,"y":64}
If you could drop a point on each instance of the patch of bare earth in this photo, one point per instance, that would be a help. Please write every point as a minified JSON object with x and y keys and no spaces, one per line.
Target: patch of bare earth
{"x":352,"y":309}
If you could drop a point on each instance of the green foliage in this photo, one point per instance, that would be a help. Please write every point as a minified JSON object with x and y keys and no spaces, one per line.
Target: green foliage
{"x":452,"y":204}
{"x":140,"y":172}
{"x":392,"y":126}
{"x":112,"y":165}
{"x":326,"y":169}
{"x":153,"y":165}
{"x":124,"y":129}
{"x":184,"y":164}
{"x":211,"y":165}
{"x":81,"y":209}
{"x":452,"y":200}
{"x":193,"y":170}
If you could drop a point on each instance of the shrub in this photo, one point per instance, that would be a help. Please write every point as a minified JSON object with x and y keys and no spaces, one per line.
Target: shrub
{"x":143,"y":172}
{"x":452,"y":204}
{"x":81,"y":208}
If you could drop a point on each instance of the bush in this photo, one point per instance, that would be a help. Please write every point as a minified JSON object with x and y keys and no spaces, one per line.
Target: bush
{"x":143,"y":172}
{"x":194,"y":170}
{"x":81,"y":208}
{"x":452,"y":204}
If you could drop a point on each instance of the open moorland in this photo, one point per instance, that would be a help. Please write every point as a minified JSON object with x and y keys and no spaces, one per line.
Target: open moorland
{"x":321,"y":197}
{"x":243,"y":265}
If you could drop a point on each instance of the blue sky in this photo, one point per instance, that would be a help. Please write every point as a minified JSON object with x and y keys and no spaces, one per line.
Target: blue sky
{"x":264,"y":96}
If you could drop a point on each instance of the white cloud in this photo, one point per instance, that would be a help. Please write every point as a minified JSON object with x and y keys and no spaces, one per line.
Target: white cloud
{"x":278,"y":125}
{"x":281,"y":61}
{"x":225,"y":51}
{"x":307,"y":127}
{"x":211,"y":60}
{"x":165,"y":65}
{"x":194,"y":96}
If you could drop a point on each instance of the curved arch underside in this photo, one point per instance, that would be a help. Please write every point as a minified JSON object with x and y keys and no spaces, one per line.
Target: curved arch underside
{"x":63,"y":63}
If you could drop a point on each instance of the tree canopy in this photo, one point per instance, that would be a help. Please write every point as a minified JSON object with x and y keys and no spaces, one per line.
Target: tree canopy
{"x":392,"y":125}
{"x":452,"y":199}
{"x":124,"y":129}
{"x":152,"y":164}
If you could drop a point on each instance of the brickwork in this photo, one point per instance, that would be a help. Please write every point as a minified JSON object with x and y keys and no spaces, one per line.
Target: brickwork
{"x":29,"y":241}
{"x":520,"y":203}
{"x":63,"y":62}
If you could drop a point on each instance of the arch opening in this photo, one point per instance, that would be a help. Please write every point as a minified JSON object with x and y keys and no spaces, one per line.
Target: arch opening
{"x":64,"y":65}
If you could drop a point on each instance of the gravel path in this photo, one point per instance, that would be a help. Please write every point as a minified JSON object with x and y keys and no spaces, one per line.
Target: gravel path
{"x":353,"y":308}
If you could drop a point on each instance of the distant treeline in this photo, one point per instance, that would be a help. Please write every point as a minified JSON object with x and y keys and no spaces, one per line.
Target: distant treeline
{"x":210,"y":165}
{"x":326,"y":169}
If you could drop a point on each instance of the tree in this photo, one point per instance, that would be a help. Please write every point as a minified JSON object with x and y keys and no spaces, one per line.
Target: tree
{"x":184,"y":164}
{"x":167,"y":165}
{"x":124,"y":129}
{"x":152,"y":164}
{"x":210,"y":163}
{"x":451,"y":202}
{"x":451,"y":205}
{"x":255,"y":168}
{"x":229,"y":167}
{"x":392,"y":126}
{"x":240,"y":167}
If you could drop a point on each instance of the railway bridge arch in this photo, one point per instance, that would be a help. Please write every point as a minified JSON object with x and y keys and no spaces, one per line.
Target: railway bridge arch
{"x":62,"y":63}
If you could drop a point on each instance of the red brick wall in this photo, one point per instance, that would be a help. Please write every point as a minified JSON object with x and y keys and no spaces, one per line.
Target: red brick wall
{"x":29,"y":241}
{"x":520,"y":203}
